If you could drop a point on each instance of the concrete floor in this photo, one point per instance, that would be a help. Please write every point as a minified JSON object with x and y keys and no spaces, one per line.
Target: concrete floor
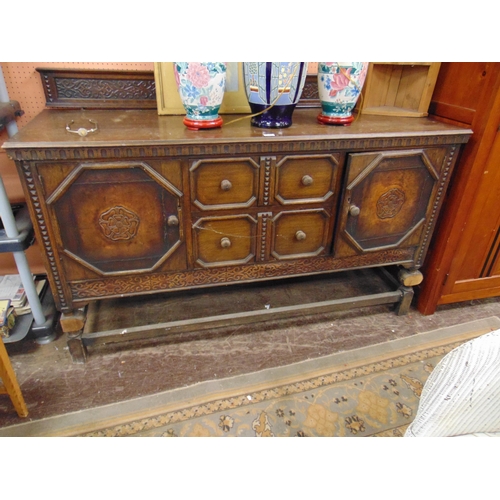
{"x":52,"y":384}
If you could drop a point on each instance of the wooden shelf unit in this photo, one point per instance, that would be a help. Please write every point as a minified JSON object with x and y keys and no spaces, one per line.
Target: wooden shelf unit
{"x":399,"y":88}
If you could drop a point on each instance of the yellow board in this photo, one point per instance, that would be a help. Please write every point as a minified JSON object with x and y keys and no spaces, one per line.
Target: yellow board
{"x":168,"y":100}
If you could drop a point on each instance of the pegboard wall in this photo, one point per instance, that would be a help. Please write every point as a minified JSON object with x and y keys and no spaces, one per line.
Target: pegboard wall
{"x":24,"y":83}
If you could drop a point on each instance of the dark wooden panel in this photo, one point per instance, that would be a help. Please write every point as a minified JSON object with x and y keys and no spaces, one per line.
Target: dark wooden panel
{"x":121,"y":89}
{"x":310,"y":94}
{"x":77,"y":88}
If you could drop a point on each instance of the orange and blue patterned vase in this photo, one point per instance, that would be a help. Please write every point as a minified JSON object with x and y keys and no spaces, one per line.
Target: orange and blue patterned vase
{"x":273,"y":89}
{"x":339,"y":88}
{"x":201,"y":88}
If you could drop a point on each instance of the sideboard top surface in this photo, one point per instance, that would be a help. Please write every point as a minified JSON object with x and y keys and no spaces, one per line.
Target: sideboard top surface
{"x":147,"y":128}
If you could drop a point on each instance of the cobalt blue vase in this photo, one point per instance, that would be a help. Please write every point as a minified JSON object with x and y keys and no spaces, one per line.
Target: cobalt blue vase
{"x":274,"y":85}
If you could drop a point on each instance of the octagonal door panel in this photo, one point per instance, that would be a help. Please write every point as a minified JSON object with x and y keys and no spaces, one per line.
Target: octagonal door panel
{"x":386,"y":201}
{"x":123,"y":216}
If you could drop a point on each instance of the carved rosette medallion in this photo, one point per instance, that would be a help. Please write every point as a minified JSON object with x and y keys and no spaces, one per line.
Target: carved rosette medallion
{"x":390,"y":203}
{"x":118,"y":223}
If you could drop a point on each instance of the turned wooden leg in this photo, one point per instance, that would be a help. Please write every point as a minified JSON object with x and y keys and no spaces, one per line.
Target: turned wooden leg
{"x":410,"y":277}
{"x":72,"y":324}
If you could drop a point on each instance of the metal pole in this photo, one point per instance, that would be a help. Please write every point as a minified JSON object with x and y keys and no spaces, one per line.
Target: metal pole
{"x":9,"y":224}
{"x":4,"y":97}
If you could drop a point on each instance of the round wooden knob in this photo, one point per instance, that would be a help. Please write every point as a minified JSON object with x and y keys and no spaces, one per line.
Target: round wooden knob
{"x":307,"y":180}
{"x":300,"y":235}
{"x":226,"y":185}
{"x":354,"y":210}
{"x":173,"y":220}
{"x":225,"y":242}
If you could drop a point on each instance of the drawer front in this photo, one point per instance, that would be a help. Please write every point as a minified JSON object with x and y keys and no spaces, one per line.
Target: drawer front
{"x":224,"y":184}
{"x":222,"y":241}
{"x":306,"y":179}
{"x":388,"y":199}
{"x":298,"y":234}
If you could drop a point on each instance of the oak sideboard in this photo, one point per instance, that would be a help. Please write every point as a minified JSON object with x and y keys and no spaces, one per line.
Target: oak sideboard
{"x":140,"y":204}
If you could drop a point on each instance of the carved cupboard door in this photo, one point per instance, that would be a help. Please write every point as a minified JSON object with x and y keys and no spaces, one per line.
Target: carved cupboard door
{"x":388,"y":199}
{"x":124,"y":218}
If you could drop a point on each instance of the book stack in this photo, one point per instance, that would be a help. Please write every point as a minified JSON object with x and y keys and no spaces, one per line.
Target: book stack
{"x":25,"y":308}
{"x":13,"y":300}
{"x":7,"y":318}
{"x":11,"y":288}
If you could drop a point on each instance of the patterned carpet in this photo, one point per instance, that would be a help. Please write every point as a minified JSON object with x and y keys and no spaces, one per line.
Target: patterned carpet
{"x":371,"y":391}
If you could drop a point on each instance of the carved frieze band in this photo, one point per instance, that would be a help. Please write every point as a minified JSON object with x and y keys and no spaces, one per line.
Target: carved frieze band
{"x":310,"y":91}
{"x":310,"y":94}
{"x":231,"y":274}
{"x":107,"y":89}
{"x":42,"y":227}
{"x":432,"y":219}
{"x":93,"y":88}
{"x":240,"y":148}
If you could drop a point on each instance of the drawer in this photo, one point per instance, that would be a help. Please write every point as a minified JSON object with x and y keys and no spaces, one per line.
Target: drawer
{"x":298,"y":234}
{"x":221,"y":241}
{"x":306,"y":179}
{"x":224,"y":184}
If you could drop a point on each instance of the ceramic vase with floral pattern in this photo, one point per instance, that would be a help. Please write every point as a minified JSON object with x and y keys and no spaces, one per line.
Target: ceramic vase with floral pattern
{"x":339,"y":87}
{"x":201,"y":88}
{"x":274,"y":85}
